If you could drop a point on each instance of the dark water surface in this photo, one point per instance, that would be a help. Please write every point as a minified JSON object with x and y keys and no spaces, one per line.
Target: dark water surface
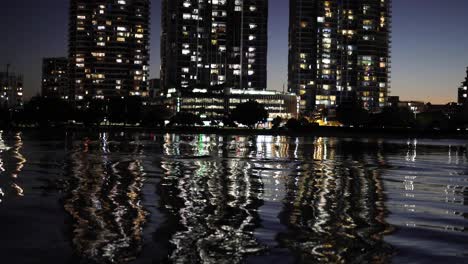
{"x":142,"y":198}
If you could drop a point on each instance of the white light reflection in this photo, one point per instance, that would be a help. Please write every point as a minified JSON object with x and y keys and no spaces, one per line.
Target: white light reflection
{"x":104,"y":137}
{"x":411,"y":154}
{"x":3,"y":148}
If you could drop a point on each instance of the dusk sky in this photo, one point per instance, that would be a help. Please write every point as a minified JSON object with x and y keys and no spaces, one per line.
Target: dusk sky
{"x":429,"y":51}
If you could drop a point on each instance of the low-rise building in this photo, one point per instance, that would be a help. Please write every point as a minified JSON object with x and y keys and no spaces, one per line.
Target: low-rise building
{"x":215,"y":105}
{"x":415,"y":106}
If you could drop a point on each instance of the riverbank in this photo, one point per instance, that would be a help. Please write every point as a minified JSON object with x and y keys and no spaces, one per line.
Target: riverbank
{"x":341,"y":132}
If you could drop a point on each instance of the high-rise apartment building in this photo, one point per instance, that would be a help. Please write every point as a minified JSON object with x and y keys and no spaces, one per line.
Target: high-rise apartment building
{"x":55,"y":80}
{"x":11,"y":89}
{"x":339,"y":51}
{"x":218,"y":43}
{"x":109,"y":48}
{"x":463,"y":91}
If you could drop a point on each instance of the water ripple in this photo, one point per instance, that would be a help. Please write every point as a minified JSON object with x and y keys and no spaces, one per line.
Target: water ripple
{"x":144,"y":198}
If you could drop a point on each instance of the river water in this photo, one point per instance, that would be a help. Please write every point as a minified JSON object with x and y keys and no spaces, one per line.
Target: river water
{"x":144,"y":198}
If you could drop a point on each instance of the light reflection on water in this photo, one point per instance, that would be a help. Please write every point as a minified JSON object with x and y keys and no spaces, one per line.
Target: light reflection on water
{"x":105,"y":202}
{"x":11,"y":165}
{"x":143,"y":198}
{"x":428,"y":196}
{"x":319,"y":206}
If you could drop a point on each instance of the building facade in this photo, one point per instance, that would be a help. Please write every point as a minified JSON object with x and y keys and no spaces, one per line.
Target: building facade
{"x":109,"y":48}
{"x":155,"y":91}
{"x":11,"y":90}
{"x":55,"y":80}
{"x":463,"y":91}
{"x":214,"y":43}
{"x":339,"y":50}
{"x":215,"y":105}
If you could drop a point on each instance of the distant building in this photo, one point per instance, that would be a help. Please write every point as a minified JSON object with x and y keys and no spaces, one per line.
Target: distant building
{"x":214,"y":44}
{"x":415,"y":106}
{"x":339,"y":51}
{"x":11,"y":90}
{"x":450,"y":109}
{"x":109,"y":48}
{"x":463,"y":91}
{"x":215,"y":105}
{"x":155,"y":90}
{"x":55,"y":80}
{"x":418,"y":107}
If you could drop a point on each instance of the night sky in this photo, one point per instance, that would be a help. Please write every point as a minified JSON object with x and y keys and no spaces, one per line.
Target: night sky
{"x":429,"y":54}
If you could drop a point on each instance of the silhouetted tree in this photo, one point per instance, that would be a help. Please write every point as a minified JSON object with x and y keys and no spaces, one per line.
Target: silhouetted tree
{"x":186,"y":119}
{"x":250,"y":113}
{"x":461,"y":117}
{"x":277,"y":122}
{"x":394,"y":117}
{"x":156,"y":116}
{"x":352,"y":114}
{"x":5,"y":117}
{"x":91,"y":112}
{"x":133,"y":110}
{"x":126,"y":110}
{"x":45,"y":112}
{"x":293,"y":124}
{"x":228,"y":121}
{"x":433,"y":120}
{"x":116,"y":112}
{"x":298,"y":124}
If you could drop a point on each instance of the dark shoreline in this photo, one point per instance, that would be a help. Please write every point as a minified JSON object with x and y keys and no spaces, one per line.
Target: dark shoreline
{"x":340,"y":132}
